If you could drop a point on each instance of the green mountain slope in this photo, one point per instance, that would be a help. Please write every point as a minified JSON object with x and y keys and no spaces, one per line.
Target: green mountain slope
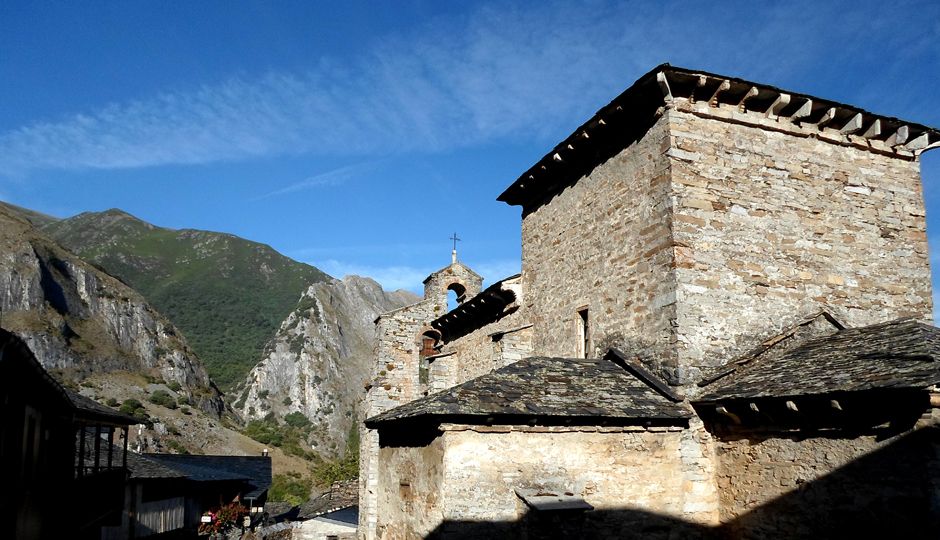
{"x":227,"y":295}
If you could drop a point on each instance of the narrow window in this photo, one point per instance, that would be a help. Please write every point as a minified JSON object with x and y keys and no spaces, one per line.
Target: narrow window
{"x":584,"y":333}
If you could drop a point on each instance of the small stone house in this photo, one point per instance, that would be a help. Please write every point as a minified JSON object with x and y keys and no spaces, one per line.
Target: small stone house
{"x":721,"y":328}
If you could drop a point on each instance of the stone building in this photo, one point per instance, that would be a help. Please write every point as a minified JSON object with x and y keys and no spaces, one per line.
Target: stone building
{"x":719,"y":329}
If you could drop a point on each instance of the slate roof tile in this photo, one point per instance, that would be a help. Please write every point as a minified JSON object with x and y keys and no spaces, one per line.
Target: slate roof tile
{"x":546,"y":387}
{"x":903,"y":353}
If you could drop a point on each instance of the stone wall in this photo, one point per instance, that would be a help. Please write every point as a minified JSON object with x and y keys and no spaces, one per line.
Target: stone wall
{"x":395,"y":381}
{"x":455,"y":277}
{"x":717,"y":228}
{"x":396,"y":378}
{"x":821,"y":486}
{"x":485,"y":349}
{"x":774,"y":224}
{"x":410,"y":490}
{"x":633,"y":477}
{"x":605,"y":244}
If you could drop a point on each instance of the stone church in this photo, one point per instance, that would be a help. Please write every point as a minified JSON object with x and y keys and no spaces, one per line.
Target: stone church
{"x":721,"y":329}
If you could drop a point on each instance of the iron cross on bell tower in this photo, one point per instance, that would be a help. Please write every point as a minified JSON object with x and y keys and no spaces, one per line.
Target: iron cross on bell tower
{"x":453,"y":254}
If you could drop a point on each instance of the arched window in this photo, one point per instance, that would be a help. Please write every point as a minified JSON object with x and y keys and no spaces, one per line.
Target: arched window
{"x":456,"y":294}
{"x":428,"y":341}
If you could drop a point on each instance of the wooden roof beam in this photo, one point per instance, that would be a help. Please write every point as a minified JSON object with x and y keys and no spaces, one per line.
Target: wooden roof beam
{"x":742,"y":105}
{"x":722,"y":410}
{"x":725,"y":85}
{"x":664,"y":86}
{"x":699,"y":83}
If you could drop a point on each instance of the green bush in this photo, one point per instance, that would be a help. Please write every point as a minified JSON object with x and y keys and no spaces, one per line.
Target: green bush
{"x":164,"y":399}
{"x":112,"y":402}
{"x":176,"y":447}
{"x":174,"y":386}
{"x":132,"y":407}
{"x":297,"y":419}
{"x":325,"y":472}
{"x":289,"y":488}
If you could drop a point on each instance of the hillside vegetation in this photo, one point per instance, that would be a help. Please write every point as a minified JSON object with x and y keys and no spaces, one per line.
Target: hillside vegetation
{"x":227,"y":295}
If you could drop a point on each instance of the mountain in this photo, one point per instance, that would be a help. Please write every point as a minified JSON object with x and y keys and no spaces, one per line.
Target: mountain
{"x":80,"y":322}
{"x":319,"y":360}
{"x":226,"y":294}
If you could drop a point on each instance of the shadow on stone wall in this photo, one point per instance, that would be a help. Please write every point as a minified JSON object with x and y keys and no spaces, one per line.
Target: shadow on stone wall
{"x":893,"y":492}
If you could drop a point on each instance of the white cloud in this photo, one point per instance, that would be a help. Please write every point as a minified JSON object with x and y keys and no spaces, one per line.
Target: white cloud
{"x":512,"y":72}
{"x":334,"y":177}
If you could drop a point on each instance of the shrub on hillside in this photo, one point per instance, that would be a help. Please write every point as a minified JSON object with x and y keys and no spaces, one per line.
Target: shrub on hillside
{"x":132,"y":407}
{"x":162,"y":398}
{"x":290,"y":487}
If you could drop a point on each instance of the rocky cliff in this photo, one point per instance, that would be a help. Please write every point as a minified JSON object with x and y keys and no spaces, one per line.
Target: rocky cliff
{"x":226,"y":294}
{"x":319,"y":360}
{"x":80,"y":321}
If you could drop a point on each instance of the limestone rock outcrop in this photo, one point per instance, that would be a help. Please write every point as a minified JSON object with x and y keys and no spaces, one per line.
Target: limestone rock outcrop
{"x":320,"y":359}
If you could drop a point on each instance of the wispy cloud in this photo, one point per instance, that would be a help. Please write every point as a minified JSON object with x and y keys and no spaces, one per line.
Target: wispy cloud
{"x":496,"y":74}
{"x":334,"y":177}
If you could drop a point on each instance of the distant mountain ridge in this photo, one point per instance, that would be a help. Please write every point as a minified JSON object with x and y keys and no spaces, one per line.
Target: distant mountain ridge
{"x":228,"y":295}
{"x":79,"y":321}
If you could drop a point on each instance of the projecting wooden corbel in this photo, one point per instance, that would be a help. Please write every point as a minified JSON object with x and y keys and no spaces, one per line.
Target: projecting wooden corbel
{"x":873,"y":130}
{"x":918,"y":143}
{"x":792,"y":406}
{"x":854,"y":124}
{"x":835,"y":404}
{"x":699,"y":83}
{"x":664,"y":86}
{"x":742,"y":105}
{"x":899,"y":137}
{"x":805,"y":110}
{"x":725,"y":85}
{"x":728,"y":414}
{"x":782,"y":101}
{"x":753,"y":407}
{"x":826,"y":118}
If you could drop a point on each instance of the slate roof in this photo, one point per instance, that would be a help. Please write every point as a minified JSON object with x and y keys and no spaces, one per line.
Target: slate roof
{"x":486,"y":307}
{"x":341,"y":495}
{"x":92,"y":410}
{"x":628,"y":116}
{"x":898,"y":354}
{"x":256,"y":470}
{"x":142,"y":467}
{"x":572,"y":388}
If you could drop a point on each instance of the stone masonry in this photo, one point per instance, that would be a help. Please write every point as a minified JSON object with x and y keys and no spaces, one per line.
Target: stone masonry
{"x":691,"y":221}
{"x":712,"y":229}
{"x":396,"y":377}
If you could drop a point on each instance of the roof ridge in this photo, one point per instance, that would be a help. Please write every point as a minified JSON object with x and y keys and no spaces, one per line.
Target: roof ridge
{"x":637,"y":370}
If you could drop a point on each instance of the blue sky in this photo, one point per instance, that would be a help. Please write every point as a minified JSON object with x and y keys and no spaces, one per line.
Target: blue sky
{"x":359,"y":136}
